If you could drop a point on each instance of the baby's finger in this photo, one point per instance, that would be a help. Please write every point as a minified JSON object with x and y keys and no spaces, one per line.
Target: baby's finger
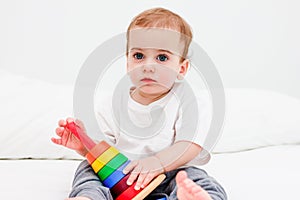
{"x":140,"y":180}
{"x":59,"y":131}
{"x":147,"y":180}
{"x":133,"y":175}
{"x":62,"y":123}
{"x":56,"y":141}
{"x":70,"y":120}
{"x":130,"y":167}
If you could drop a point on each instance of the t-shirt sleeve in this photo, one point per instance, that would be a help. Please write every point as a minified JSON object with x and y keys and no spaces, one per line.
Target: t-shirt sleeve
{"x":104,"y":116}
{"x":193,"y":123}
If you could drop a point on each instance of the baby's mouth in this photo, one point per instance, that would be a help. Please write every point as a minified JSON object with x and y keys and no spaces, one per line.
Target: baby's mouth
{"x":148,"y":80}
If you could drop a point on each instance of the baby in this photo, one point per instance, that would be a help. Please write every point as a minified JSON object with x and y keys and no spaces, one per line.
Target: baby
{"x":157,"y":45}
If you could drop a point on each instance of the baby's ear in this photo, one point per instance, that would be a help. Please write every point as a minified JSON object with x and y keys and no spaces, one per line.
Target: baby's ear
{"x":184,"y":65}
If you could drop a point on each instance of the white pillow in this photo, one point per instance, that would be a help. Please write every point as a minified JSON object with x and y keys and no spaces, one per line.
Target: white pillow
{"x":259,"y":118}
{"x":30,"y":110}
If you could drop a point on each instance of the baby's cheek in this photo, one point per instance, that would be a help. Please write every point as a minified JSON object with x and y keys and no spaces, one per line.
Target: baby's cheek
{"x":167,"y":80}
{"x":134,"y":77}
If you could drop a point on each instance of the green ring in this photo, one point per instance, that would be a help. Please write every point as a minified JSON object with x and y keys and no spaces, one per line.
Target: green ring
{"x":112,"y":166}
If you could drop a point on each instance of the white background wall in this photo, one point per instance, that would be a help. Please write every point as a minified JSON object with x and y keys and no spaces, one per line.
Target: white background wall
{"x":253,"y":43}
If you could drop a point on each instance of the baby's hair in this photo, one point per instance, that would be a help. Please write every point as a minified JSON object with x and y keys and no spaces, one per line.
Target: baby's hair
{"x":163,"y":18}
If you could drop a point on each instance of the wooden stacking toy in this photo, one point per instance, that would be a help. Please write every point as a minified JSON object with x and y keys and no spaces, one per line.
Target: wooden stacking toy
{"x":108,"y":163}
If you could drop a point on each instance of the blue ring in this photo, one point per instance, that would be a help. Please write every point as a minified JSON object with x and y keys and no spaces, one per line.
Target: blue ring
{"x":116,"y":176}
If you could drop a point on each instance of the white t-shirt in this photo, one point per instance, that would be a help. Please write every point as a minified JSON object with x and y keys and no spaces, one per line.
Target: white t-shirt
{"x":175,"y":117}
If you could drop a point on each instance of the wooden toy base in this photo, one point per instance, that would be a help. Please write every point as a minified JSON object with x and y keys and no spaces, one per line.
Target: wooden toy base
{"x":147,"y":190}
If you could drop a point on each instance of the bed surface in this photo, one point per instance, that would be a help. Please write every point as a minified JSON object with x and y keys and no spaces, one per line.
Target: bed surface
{"x":36,"y":179}
{"x":266,"y":173}
{"x":246,"y":175}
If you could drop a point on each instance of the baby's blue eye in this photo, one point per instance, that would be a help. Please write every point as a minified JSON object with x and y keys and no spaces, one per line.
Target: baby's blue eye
{"x":138,"y":56}
{"x":162,"y":58}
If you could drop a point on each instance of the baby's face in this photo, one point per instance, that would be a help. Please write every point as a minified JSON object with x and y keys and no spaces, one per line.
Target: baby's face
{"x":154,"y":71}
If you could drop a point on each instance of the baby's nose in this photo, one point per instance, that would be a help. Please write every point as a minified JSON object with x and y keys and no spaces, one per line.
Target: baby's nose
{"x":148,"y":68}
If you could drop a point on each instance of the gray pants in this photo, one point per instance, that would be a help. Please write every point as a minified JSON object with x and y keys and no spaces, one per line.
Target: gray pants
{"x":87,"y":184}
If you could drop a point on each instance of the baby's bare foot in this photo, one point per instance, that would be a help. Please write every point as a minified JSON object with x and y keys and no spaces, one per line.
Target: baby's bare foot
{"x":188,"y":190}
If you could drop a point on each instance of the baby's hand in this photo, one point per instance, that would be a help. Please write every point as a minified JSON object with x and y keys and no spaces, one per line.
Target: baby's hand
{"x":67,"y":138}
{"x":145,"y":170}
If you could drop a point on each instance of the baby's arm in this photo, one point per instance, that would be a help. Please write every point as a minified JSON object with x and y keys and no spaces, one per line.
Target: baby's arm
{"x":178,"y":154}
{"x":171,"y":158}
{"x":67,"y":138}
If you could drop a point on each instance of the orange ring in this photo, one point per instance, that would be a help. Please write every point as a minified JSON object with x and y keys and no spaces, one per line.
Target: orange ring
{"x":99,"y":149}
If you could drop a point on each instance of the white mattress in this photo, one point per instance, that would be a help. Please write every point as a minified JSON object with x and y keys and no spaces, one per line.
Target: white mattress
{"x":36,"y":179}
{"x":266,"y":173}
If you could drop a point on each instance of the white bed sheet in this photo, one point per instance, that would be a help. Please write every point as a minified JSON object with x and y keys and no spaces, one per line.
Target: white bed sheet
{"x":270,"y":173}
{"x":36,"y":179}
{"x":261,"y":174}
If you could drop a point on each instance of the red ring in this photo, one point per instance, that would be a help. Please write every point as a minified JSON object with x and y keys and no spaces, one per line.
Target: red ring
{"x":120,"y":187}
{"x":129,"y":193}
